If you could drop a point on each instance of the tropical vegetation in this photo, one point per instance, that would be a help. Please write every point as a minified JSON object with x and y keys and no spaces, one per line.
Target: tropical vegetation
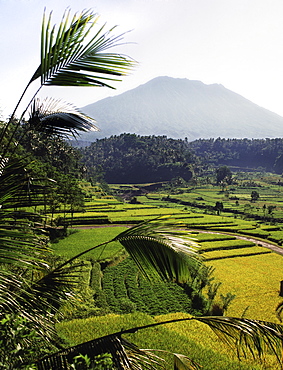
{"x":35,"y":284}
{"x":159,"y":158}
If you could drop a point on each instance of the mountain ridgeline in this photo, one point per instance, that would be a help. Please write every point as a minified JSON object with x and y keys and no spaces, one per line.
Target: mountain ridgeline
{"x":131,"y":158}
{"x":180,"y":108}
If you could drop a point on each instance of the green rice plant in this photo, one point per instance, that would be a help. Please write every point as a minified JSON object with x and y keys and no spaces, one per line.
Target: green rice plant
{"x":87,"y":238}
{"x":212,"y":225}
{"x":235,"y":252}
{"x":124,"y":284}
{"x":255,"y":232}
{"x":225,"y":244}
{"x":190,"y":338}
{"x":132,"y":214}
{"x":255,"y":281}
{"x":197,"y":331}
{"x":203,"y":237}
{"x":276,"y":236}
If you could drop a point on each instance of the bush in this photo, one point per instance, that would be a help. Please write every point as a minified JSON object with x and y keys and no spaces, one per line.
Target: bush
{"x":126,"y":305}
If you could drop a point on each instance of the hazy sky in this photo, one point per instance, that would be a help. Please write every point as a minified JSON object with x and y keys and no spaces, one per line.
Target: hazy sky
{"x":236,"y":43}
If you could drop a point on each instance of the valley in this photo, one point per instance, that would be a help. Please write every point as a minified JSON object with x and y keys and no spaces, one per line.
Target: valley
{"x":237,"y":247}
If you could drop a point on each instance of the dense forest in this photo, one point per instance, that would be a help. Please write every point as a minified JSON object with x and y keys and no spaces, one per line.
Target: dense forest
{"x":243,"y":154}
{"x":51,"y":165}
{"x":131,"y":158}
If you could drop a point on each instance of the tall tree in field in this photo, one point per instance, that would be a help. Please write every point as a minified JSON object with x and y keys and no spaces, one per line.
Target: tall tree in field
{"x":223,"y":175}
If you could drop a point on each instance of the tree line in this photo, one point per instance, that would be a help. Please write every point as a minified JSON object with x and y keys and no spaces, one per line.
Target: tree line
{"x":265,"y":154}
{"x":131,"y":158}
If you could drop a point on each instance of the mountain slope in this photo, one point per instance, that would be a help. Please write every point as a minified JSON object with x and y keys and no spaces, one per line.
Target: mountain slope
{"x":180,"y":108}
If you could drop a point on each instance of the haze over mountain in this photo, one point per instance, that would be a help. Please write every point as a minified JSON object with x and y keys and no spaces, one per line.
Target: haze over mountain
{"x":180,"y":108}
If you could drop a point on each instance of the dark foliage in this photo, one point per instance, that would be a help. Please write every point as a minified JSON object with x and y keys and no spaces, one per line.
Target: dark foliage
{"x":243,"y":154}
{"x":131,"y":158}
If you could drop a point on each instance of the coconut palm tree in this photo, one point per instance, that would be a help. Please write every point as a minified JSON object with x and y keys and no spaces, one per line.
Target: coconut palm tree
{"x":74,"y":54}
{"x":32,"y":287}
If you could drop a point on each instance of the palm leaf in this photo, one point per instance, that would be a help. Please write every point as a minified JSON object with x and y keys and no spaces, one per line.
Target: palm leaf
{"x":69,"y":59}
{"x":19,"y":243}
{"x":29,"y":286}
{"x":125,"y":355}
{"x":66,"y":61}
{"x":54,"y":117}
{"x":249,"y":336}
{"x":36,"y":294}
{"x":182,"y":362}
{"x":159,"y":247}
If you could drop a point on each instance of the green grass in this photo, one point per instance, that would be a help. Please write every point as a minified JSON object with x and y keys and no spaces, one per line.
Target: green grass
{"x":84,"y":239}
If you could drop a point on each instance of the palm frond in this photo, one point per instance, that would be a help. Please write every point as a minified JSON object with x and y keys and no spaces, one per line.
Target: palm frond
{"x":20,"y":244}
{"x":21,"y":247}
{"x":249,"y":336}
{"x":161,"y":247}
{"x":279,"y":310}
{"x":55,"y":117}
{"x":182,"y":362}
{"x":125,"y":355}
{"x":29,"y":286}
{"x":37,"y":294}
{"x":67,"y":61}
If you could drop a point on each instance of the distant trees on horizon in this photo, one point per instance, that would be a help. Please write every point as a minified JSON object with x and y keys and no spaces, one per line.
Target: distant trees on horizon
{"x":131,"y":158}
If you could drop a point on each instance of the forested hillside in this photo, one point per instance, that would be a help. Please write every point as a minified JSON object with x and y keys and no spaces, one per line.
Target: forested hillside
{"x":131,"y":158}
{"x":266,"y":154}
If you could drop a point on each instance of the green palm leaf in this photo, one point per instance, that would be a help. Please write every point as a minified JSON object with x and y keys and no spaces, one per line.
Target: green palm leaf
{"x":29,"y":286}
{"x":37,"y":293}
{"x":249,"y":336}
{"x":182,"y":362}
{"x":161,"y":247}
{"x":67,"y":61}
{"x":58,"y":118}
